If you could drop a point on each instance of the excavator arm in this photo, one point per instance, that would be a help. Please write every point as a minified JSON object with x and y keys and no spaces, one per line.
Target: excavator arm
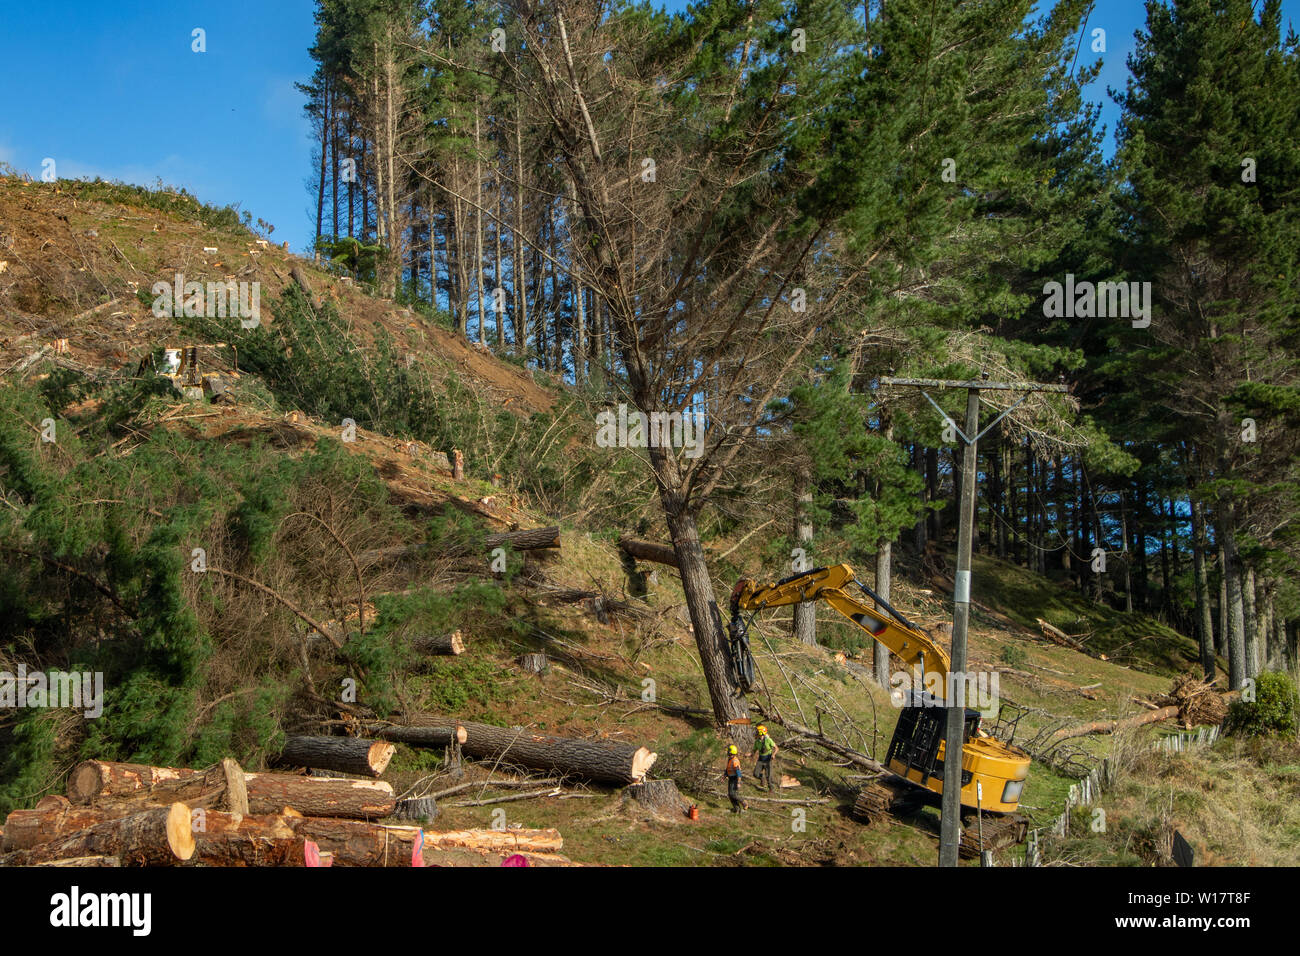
{"x":926,"y":658}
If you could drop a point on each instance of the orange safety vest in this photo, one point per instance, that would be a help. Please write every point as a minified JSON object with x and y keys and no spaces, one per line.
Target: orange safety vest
{"x":733,"y":765}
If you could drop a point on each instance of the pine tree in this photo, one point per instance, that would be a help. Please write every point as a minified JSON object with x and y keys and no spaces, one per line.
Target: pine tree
{"x":1210,"y":219}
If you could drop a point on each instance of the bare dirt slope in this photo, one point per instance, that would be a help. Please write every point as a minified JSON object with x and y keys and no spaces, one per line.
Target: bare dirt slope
{"x":75,"y":256}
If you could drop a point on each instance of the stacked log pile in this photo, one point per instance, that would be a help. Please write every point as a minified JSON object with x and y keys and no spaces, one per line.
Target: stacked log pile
{"x":118,"y":814}
{"x":141,"y":815}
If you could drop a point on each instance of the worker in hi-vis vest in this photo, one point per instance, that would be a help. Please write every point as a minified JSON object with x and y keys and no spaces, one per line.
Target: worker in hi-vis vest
{"x":733,"y":780}
{"x":765,"y":749}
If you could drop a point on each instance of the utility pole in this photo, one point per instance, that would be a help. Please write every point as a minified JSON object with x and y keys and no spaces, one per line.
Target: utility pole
{"x":955,"y":698}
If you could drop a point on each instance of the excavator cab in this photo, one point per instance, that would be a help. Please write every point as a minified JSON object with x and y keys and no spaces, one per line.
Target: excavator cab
{"x":918,"y":738}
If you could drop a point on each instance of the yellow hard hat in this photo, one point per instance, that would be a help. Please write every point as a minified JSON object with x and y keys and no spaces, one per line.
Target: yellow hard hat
{"x":762,"y":729}
{"x":732,"y":749}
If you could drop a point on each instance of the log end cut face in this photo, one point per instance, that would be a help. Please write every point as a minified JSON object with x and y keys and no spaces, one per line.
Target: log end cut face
{"x":642,"y":761}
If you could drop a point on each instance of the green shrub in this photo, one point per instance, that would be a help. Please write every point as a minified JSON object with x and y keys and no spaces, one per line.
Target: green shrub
{"x":1014,"y":656}
{"x":27,"y":760}
{"x":1275,"y":709}
{"x":455,"y":683}
{"x":164,"y":198}
{"x":245,"y":727}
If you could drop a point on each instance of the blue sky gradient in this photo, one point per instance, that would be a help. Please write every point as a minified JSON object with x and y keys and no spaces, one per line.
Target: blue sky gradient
{"x":113,"y":89}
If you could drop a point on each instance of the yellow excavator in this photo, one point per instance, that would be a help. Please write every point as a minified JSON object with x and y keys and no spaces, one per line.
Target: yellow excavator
{"x":993,"y":771}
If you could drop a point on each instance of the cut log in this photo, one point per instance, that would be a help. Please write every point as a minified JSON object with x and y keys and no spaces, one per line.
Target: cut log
{"x":237,"y":839}
{"x":320,"y":796}
{"x":608,"y":763}
{"x":546,"y":840}
{"x":53,"y":817}
{"x":649,"y":551}
{"x":158,"y":836}
{"x":84,"y":861}
{"x":445,"y":645}
{"x":106,"y":784}
{"x":802,"y":801}
{"x":419,"y":736}
{"x":368,"y":758}
{"x":511,"y":798}
{"x":660,"y":797}
{"x":92,"y":778}
{"x":848,"y":753}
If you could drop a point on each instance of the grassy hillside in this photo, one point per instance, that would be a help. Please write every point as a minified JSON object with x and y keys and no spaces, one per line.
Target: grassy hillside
{"x":98,"y":538}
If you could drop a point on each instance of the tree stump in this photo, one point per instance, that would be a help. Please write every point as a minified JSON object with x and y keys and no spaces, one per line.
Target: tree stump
{"x":534,"y":663}
{"x":660,"y":797}
{"x":418,"y":809}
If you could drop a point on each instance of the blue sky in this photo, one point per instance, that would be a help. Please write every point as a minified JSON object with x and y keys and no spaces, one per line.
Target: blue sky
{"x":113,"y":89}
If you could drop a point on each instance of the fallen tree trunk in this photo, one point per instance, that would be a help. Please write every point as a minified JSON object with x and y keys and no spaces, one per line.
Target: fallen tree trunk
{"x":1111,"y":726}
{"x":158,"y":836}
{"x":609,"y":763}
{"x":445,"y":645}
{"x":649,"y":551}
{"x":104,"y":783}
{"x":532,"y":539}
{"x":368,"y":758}
{"x":419,"y":736}
{"x":1058,"y":636}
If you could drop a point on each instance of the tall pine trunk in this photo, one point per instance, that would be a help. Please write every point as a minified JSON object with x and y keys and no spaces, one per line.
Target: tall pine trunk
{"x":1238,"y":668}
{"x":517,"y":266}
{"x":478,"y":228}
{"x":1204,"y":621}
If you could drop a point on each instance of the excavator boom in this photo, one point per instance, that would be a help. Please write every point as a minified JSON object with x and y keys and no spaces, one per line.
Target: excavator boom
{"x":883,"y":623}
